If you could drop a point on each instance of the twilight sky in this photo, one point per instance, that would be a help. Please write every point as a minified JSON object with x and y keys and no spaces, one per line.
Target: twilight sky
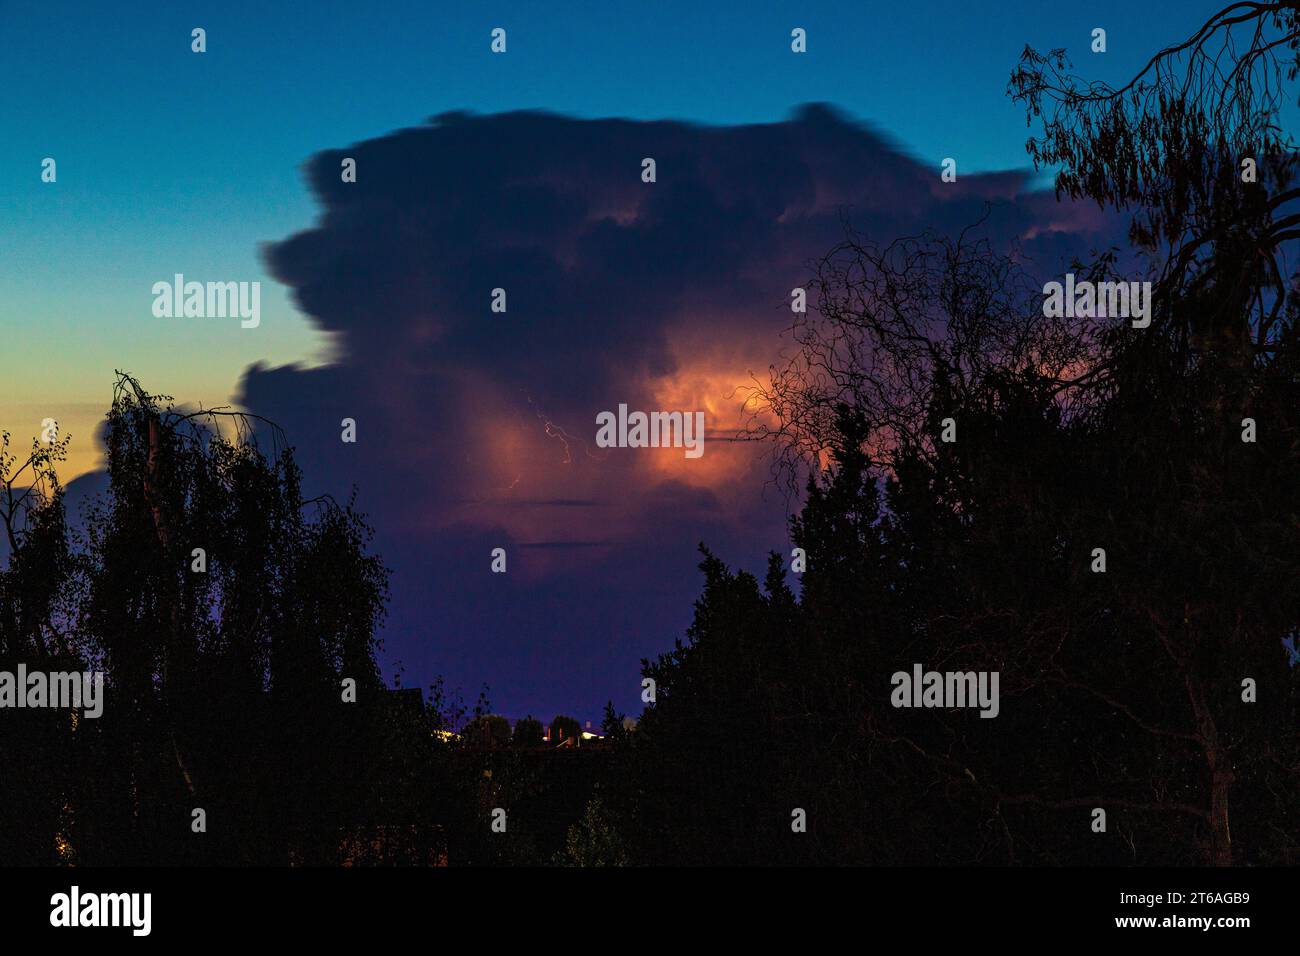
{"x":522,"y":171}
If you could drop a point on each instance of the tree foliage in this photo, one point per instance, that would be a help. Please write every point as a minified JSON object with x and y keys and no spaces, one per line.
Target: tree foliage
{"x":1125,"y":685}
{"x":226,"y":611}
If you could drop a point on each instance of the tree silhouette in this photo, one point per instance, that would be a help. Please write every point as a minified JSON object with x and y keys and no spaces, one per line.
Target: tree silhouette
{"x":563,"y":727}
{"x":528,"y":732}
{"x":1078,"y":505}
{"x":37,"y":604}
{"x":226,"y":611}
{"x":1169,"y":146}
{"x":1173,"y":144}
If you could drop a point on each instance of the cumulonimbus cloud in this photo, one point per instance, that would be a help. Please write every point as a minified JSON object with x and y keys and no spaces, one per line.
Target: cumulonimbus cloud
{"x":475,"y":429}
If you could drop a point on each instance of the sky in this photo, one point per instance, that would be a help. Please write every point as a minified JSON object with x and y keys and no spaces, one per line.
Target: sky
{"x":224,"y":166}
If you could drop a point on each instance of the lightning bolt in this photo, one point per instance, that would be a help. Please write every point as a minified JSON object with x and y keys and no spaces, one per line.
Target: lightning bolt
{"x":553,"y":430}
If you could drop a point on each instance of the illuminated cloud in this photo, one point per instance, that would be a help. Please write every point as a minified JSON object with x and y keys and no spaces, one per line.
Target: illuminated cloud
{"x":476,"y":429}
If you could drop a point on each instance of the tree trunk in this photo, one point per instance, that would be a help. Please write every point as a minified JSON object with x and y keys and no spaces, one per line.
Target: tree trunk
{"x":1220,"y":836}
{"x":1221,"y":776}
{"x":173,"y":644}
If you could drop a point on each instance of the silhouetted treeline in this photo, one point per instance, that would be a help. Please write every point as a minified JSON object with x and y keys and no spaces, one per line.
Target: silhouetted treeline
{"x":1101,"y":508}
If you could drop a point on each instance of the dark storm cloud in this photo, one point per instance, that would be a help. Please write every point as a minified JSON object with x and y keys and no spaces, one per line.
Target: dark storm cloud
{"x":475,"y":430}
